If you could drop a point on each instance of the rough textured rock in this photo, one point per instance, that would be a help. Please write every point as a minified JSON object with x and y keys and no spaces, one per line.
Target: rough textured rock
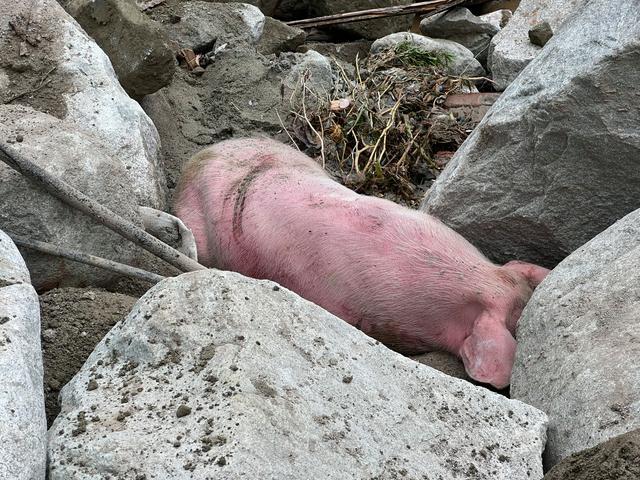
{"x":370,"y":29}
{"x":74,"y":321}
{"x":28,"y":211}
{"x":345,"y":52}
{"x":47,"y":62}
{"x":279,"y":37}
{"x":511,"y":51}
{"x":240,"y":94}
{"x":615,"y":459}
{"x":201,"y":24}
{"x":555,"y":161}
{"x":463,"y":62}
{"x":135,"y":45}
{"x":214,"y":375}
{"x":540,"y":33}
{"x":578,"y":344}
{"x":498,"y":19}
{"x":461,"y":26}
{"x":23,"y":426}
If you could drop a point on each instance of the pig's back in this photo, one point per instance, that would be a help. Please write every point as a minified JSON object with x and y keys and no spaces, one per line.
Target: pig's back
{"x":268,"y":211}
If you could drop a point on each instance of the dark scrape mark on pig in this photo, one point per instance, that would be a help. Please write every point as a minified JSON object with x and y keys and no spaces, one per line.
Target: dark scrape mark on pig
{"x":242,"y":189}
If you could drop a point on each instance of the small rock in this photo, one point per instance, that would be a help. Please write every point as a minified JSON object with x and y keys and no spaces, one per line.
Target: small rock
{"x":183,"y":411}
{"x":540,"y":34}
{"x":279,"y":37}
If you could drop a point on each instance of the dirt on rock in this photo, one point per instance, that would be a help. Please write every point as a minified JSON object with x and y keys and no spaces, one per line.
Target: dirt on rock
{"x":615,"y":459}
{"x":74,"y":321}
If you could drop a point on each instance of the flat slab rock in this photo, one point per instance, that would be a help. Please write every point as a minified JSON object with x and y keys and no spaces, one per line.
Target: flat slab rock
{"x":214,"y":375}
{"x":22,"y":422}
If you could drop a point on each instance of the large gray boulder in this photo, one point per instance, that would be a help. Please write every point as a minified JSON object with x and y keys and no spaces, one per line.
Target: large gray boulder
{"x":49,"y":63}
{"x":578,"y":344}
{"x":136,"y":46}
{"x":214,"y":375}
{"x":23,"y":426}
{"x":27,"y":210}
{"x":555,"y":161}
{"x":511,"y":50}
{"x":462,"y":62}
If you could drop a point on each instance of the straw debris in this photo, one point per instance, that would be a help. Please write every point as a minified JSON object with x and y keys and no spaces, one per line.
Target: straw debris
{"x":379,"y":129}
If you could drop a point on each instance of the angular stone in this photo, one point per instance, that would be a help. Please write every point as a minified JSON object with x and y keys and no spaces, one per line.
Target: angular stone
{"x":578,"y":343}
{"x":214,"y":375}
{"x":62,"y":72}
{"x":23,"y":427}
{"x":555,"y":161}
{"x":463,"y":62}
{"x":461,"y":26}
{"x":511,"y":50}
{"x":279,"y":37}
{"x":135,"y":45}
{"x":540,"y":34}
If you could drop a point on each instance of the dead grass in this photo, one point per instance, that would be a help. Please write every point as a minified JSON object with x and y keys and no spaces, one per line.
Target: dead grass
{"x":380,"y":129}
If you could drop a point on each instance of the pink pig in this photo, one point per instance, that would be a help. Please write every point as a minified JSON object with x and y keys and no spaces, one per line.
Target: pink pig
{"x":266,"y":210}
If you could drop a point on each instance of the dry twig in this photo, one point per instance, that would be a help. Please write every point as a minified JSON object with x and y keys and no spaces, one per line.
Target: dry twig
{"x":103,"y":215}
{"x":121,"y":268}
{"x":423,"y":8}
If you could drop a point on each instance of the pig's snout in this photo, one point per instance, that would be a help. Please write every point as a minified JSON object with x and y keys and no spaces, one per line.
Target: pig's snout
{"x":489,"y":352}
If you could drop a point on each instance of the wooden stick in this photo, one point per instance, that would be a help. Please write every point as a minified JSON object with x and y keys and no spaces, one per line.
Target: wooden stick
{"x":76,"y":199}
{"x":121,"y":268}
{"x":425,"y":8}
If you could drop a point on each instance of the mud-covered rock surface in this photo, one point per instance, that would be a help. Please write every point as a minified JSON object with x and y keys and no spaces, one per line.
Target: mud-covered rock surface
{"x":214,"y":375}
{"x":74,"y":321}
{"x":615,"y":459}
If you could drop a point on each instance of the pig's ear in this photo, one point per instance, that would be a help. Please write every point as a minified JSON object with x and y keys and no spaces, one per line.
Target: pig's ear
{"x":533,"y":273}
{"x":489,"y":351}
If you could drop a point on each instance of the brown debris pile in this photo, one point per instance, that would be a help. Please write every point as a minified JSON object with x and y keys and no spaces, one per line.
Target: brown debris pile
{"x":380,"y":130}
